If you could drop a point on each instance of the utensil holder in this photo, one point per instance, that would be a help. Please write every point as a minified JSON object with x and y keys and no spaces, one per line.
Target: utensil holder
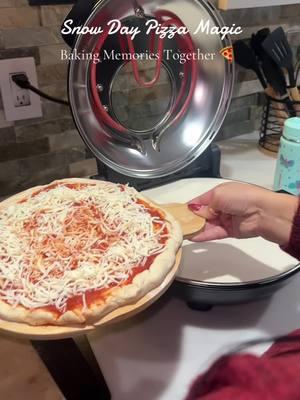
{"x":275,"y":112}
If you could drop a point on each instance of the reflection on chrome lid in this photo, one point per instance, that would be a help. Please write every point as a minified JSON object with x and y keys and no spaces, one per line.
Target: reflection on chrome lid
{"x":151,"y":105}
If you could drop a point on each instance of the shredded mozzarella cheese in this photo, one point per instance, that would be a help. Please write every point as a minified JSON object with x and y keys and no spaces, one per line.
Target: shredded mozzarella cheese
{"x":66,"y":241}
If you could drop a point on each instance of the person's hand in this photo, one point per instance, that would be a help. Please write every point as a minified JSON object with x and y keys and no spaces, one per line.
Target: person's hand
{"x":241,"y":211}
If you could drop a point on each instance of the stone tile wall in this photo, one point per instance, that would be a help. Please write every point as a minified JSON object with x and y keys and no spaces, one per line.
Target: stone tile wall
{"x":40,"y":150}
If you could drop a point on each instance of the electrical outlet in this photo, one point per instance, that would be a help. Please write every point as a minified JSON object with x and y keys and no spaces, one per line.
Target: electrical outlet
{"x":20,"y":97}
{"x":19,"y":103}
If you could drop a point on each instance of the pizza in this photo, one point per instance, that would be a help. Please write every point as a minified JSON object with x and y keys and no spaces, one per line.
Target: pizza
{"x":76,"y":249}
{"x":227,"y":52}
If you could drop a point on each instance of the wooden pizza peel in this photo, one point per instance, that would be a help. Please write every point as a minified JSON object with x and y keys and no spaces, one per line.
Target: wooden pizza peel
{"x":190,"y":224}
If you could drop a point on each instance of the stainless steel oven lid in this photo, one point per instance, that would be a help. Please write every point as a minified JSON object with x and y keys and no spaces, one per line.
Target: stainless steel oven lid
{"x":136,"y":128}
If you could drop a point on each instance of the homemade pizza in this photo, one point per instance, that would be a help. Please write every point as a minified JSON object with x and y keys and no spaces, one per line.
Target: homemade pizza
{"x":76,"y":249}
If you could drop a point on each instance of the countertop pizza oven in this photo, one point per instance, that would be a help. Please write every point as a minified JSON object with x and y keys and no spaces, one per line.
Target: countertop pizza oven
{"x":152,"y":120}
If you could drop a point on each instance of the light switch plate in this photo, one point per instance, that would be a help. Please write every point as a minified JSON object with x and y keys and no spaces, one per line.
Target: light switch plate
{"x":19,"y":103}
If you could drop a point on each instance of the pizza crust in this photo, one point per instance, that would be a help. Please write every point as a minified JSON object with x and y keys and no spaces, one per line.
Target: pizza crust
{"x":119,"y":296}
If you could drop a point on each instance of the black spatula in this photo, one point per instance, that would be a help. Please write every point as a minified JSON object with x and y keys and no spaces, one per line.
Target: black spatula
{"x":273,"y":74}
{"x":297,"y":68}
{"x":276,"y":80}
{"x":245,"y":56}
{"x":271,"y":70}
{"x":256,"y":42}
{"x":278,"y":48}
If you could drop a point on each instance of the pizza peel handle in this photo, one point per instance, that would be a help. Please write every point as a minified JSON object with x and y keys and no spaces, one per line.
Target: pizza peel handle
{"x":190,"y":223}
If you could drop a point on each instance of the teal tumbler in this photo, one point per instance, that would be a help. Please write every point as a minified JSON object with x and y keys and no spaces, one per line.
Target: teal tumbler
{"x":287,"y":175}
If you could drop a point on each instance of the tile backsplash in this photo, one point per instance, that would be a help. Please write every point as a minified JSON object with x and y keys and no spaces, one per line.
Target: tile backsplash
{"x":37,"y":151}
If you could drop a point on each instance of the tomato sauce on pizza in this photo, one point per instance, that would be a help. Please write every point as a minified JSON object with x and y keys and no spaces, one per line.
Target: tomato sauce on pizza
{"x":72,"y":244}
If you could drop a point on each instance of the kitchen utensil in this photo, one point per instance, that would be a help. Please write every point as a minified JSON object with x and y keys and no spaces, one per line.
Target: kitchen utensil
{"x":245,"y":56}
{"x":190,"y":222}
{"x":140,"y":131}
{"x":225,"y":271}
{"x":287,"y":176}
{"x":276,"y":80}
{"x":271,"y":127}
{"x":293,"y":37}
{"x":278,"y":48}
{"x":297,"y":69}
{"x":257,"y":40}
{"x":273,"y":75}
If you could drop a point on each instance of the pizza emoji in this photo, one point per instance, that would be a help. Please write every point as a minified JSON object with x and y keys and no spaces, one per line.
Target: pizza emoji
{"x":227,"y":52}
